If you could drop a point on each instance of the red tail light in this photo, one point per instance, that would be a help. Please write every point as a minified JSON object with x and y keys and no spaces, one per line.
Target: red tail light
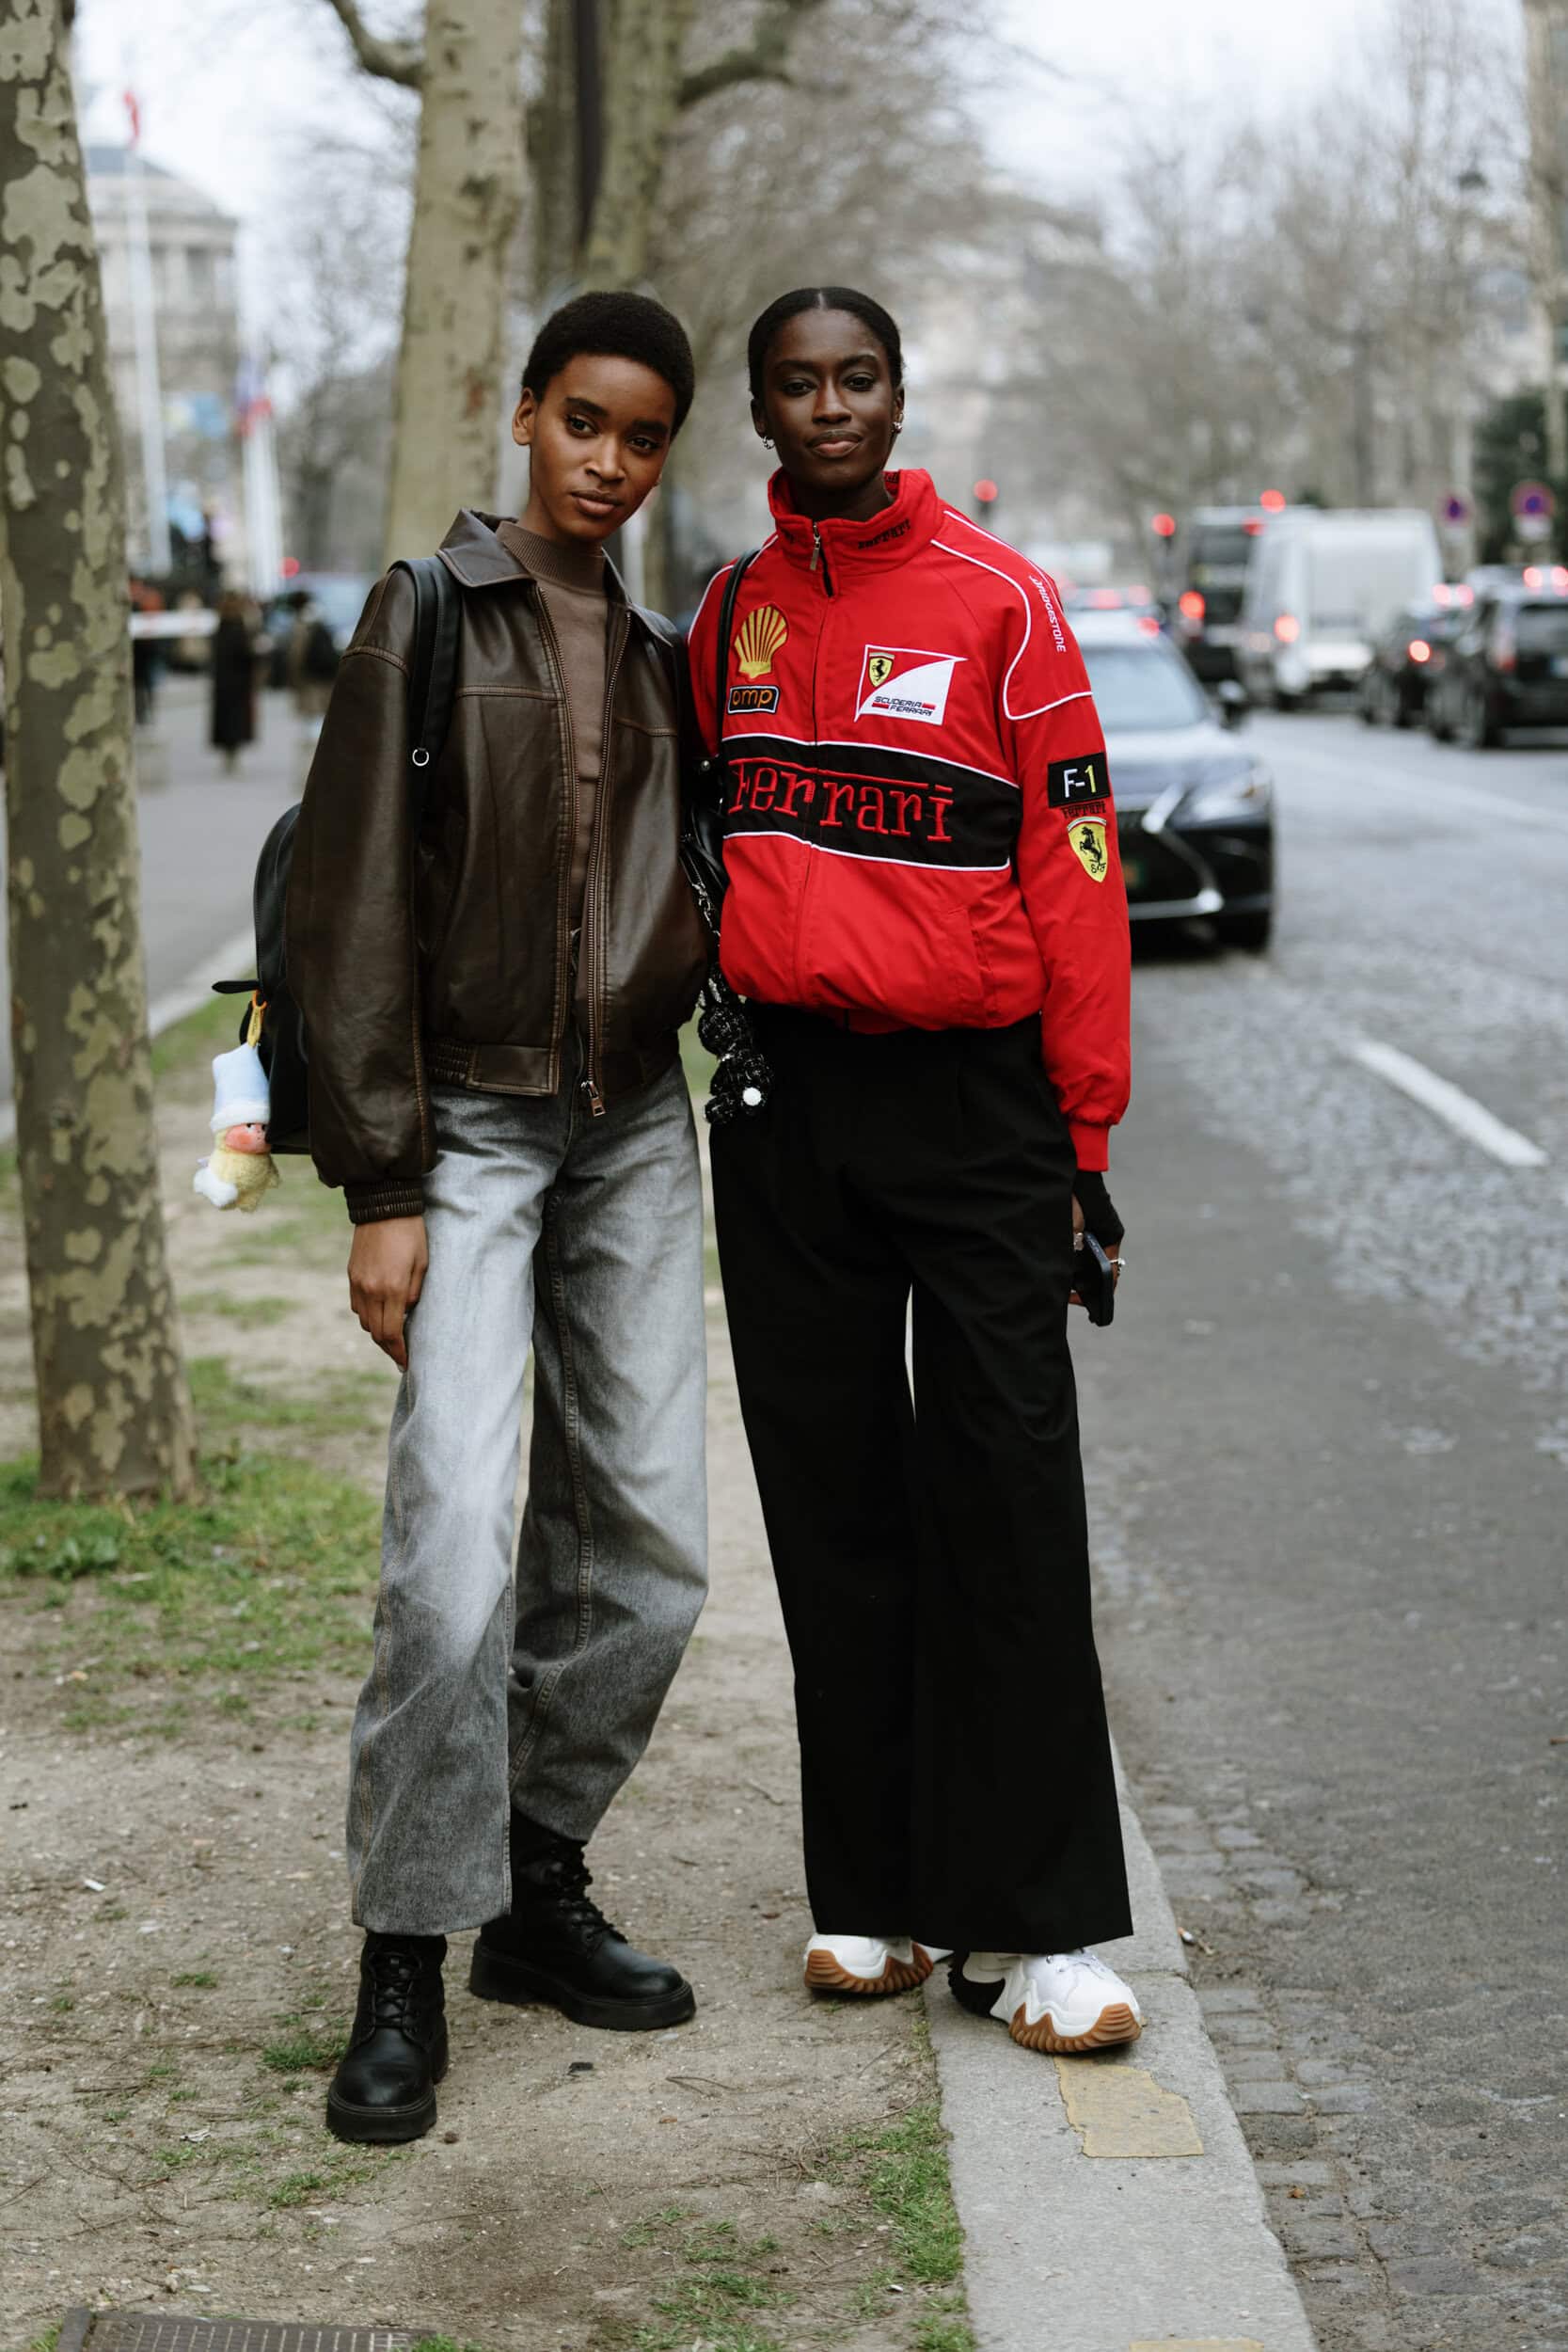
{"x":1191,"y":606}
{"x":1286,"y":629}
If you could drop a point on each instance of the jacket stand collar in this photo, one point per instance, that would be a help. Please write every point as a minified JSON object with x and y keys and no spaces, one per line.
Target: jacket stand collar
{"x":892,"y":535}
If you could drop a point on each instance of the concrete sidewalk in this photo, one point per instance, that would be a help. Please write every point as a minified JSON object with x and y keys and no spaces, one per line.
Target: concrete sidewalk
{"x":1109,"y":2203}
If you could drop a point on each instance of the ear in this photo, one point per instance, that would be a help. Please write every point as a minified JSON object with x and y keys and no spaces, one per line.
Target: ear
{"x":759,"y":419}
{"x":524,"y":418}
{"x":899,"y":406}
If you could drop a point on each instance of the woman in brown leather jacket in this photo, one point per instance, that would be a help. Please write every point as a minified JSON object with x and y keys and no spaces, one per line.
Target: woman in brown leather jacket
{"x":492,"y":1009}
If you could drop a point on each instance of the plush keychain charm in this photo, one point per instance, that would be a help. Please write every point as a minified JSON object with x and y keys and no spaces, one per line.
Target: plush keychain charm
{"x":241,"y":1168}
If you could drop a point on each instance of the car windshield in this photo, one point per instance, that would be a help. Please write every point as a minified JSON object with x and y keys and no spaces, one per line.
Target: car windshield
{"x":1542,"y":629}
{"x":1219,"y":547}
{"x":1140,"y":687}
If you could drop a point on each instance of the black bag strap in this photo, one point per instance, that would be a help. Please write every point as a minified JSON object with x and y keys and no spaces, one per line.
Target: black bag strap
{"x":738,"y":571}
{"x":433,"y":673}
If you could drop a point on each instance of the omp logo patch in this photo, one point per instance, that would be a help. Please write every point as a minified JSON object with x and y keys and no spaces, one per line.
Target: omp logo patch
{"x":1087,"y":835}
{"x":749,"y":698}
{"x":898,"y":682}
{"x":1071,"y":783}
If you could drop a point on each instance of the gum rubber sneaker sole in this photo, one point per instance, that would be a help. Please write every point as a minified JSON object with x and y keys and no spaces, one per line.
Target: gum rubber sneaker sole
{"x":497,"y":1977}
{"x":824,"y":1973}
{"x":1115,"y":2023}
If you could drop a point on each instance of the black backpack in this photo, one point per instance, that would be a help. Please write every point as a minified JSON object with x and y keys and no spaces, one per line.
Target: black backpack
{"x":281,"y":1039}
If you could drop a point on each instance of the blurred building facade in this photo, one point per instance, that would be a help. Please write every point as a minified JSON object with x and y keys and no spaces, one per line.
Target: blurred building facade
{"x":190,"y":243}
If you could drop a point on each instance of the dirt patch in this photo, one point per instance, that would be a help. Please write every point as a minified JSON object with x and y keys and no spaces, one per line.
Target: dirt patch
{"x":181,"y":1962}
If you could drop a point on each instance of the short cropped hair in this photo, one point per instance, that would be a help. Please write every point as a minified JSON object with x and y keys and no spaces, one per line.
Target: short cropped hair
{"x":877,"y":321}
{"x":618,"y":326}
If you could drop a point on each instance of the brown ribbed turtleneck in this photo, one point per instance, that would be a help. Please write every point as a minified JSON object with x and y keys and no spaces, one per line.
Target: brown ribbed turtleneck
{"x":571,"y":581}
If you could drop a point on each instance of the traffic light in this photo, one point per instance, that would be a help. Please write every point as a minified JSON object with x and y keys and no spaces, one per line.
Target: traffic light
{"x":1163,"y":525}
{"x":1273,"y":501}
{"x":985,"y":495}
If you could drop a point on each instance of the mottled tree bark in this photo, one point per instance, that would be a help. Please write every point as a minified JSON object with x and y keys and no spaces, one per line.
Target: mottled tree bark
{"x":468,"y":193}
{"x":113,"y":1408}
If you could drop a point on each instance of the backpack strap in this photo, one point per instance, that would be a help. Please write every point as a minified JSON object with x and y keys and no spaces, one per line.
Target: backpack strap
{"x":738,"y":571}
{"x":433,"y":673}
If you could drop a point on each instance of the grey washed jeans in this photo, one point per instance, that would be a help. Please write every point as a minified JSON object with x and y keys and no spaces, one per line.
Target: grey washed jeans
{"x":584,"y":1236}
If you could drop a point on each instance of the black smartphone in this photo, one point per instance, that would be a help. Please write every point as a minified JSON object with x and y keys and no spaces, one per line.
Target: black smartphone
{"x":1094,"y":1278}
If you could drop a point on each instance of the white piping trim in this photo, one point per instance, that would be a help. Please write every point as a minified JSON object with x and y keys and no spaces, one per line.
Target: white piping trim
{"x":1028,"y":630}
{"x":852,"y":743}
{"x":861,"y":857}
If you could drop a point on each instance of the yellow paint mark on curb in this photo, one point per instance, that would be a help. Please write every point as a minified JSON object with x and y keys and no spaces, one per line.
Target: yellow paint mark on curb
{"x":1196,"y":2343}
{"x":1122,"y":2112}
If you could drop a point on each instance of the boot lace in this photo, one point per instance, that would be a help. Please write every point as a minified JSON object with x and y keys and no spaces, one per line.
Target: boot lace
{"x":394,"y":1975}
{"x":565,"y":1879}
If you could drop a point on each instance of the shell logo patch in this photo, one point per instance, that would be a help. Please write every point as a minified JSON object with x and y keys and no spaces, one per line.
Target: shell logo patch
{"x":900,"y":682}
{"x":1087,"y":836}
{"x":758,"y":640}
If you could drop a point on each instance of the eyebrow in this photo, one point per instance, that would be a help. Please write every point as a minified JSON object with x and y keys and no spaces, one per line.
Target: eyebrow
{"x":855,"y":360}
{"x":638,"y":424}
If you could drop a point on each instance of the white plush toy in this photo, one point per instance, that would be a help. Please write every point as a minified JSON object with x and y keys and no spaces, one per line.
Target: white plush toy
{"x":241,"y":1168}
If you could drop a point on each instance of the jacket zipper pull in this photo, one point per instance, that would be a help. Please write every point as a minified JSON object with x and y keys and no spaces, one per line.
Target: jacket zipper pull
{"x":596,"y":1100}
{"x":815,"y":547}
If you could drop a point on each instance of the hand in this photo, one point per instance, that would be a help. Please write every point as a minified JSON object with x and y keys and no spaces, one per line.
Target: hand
{"x":1113,"y":1253}
{"x":386,"y":1265}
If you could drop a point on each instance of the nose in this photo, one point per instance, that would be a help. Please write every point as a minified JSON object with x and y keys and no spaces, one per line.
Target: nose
{"x":830,"y":407}
{"x":606,"y":464}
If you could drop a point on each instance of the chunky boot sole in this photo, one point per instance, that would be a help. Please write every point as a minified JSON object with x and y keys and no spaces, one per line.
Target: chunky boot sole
{"x":499,"y":1976}
{"x":385,"y":2127}
{"x":825,"y":1974}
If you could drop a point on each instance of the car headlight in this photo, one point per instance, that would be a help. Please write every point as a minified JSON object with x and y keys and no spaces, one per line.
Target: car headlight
{"x":1240,"y":793}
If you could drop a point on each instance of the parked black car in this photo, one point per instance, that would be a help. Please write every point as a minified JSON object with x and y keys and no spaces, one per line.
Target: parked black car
{"x":1406,"y":657}
{"x":1508,"y":665}
{"x":1194,"y":808}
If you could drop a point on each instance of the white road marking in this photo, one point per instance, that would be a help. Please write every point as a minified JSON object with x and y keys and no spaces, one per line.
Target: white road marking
{"x":1436,"y":790}
{"x":1459,"y":1110}
{"x":234,"y":960}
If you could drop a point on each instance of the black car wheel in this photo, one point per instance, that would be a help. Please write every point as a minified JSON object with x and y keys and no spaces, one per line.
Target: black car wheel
{"x":1478,"y":730}
{"x":1406,"y":709}
{"x":1251,"y":932}
{"x":1439,"y":725}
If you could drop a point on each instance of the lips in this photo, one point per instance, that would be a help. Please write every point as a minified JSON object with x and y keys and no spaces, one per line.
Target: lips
{"x":834,"y":445}
{"x":593,"y":504}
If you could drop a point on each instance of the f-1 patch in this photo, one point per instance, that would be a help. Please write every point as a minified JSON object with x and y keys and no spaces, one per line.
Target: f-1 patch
{"x":748,"y":698}
{"x":1087,"y":836}
{"x":1071,"y":783}
{"x":898,"y":682}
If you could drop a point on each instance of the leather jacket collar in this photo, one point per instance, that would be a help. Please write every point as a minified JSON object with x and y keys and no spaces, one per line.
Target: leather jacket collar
{"x":477,"y":559}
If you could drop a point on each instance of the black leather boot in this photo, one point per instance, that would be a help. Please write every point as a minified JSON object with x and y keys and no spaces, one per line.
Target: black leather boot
{"x":385,"y":2087}
{"x":556,"y":1945}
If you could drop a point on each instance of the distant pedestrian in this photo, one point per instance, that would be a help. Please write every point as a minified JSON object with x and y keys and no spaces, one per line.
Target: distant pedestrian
{"x":926,"y":911}
{"x":311,"y":662}
{"x":145,"y":663}
{"x":233,"y":669}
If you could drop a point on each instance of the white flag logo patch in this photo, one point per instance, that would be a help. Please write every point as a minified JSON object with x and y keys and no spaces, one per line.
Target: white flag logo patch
{"x":917,"y":692}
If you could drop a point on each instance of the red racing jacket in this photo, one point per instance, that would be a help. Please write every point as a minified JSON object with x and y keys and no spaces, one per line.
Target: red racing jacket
{"x":918,"y":824}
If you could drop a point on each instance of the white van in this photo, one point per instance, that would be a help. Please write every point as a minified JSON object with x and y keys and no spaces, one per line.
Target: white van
{"x":1321,"y":589}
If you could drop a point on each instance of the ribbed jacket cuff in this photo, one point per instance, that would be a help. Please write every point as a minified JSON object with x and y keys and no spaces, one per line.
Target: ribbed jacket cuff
{"x":371,"y":1204}
{"x":1092,"y":1145}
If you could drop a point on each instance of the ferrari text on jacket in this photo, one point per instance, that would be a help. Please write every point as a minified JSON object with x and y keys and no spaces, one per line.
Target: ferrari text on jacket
{"x":919,"y":828}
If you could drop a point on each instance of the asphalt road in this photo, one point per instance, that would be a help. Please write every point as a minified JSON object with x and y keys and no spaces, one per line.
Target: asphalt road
{"x":200,"y":830}
{"x":1328,"y":1449}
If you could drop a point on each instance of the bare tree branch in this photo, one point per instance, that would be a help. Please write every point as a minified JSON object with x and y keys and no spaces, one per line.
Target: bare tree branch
{"x":764,"y":58}
{"x":401,"y":61}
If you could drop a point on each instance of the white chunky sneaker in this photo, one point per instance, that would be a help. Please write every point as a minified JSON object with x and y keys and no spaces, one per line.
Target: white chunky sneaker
{"x":1051,"y":2001}
{"x":868,"y":1963}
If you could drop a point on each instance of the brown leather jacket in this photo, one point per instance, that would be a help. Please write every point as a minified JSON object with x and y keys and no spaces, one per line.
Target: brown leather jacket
{"x":451,"y":960}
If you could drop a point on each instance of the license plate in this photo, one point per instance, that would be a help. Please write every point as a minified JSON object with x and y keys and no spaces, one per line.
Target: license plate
{"x":1559,"y":665}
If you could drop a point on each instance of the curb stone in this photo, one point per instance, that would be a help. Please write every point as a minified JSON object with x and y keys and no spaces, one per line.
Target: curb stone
{"x":1123,"y":2253}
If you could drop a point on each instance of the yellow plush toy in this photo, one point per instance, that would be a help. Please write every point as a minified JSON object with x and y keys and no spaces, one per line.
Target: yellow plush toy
{"x":241,"y":1168}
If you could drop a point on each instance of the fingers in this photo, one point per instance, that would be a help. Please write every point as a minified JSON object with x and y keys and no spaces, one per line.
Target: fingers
{"x":380,"y":1313}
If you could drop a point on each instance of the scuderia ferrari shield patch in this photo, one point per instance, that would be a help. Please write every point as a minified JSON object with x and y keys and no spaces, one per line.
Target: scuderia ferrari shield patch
{"x":898,"y":682}
{"x":1087,"y":836}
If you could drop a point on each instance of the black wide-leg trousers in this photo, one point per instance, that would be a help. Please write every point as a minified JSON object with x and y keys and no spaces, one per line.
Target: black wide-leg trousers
{"x":931,"y":1553}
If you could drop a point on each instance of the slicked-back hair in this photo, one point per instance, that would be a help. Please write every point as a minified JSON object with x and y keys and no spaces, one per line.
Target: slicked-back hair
{"x":872,"y":316}
{"x":615,"y":327}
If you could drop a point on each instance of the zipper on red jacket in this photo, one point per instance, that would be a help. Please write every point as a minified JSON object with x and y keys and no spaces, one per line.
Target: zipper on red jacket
{"x":819,"y":558}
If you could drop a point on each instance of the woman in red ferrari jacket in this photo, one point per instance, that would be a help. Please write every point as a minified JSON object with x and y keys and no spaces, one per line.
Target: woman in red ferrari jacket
{"x":924,"y":909}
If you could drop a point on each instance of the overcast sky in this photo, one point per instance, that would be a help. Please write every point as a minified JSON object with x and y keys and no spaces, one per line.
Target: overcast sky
{"x":232,"y":91}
